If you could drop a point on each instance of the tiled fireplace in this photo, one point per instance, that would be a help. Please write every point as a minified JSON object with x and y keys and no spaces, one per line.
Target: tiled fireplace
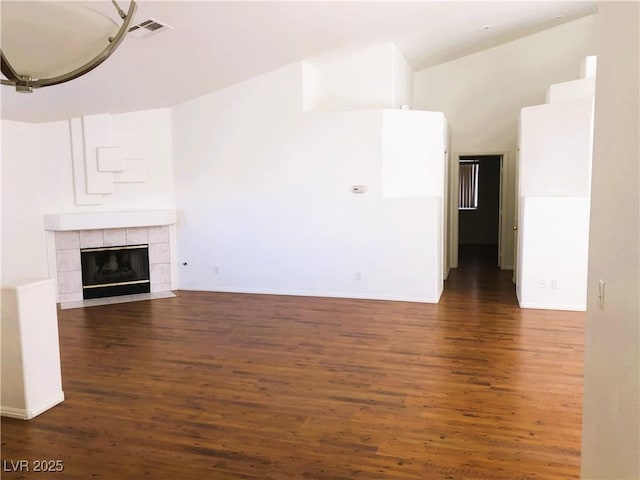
{"x":66,"y":244}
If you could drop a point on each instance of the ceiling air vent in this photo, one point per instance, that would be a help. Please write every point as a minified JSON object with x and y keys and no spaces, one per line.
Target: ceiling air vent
{"x":148,"y":27}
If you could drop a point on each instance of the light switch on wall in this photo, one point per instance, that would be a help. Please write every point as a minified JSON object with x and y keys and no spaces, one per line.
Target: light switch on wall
{"x":601,"y":294}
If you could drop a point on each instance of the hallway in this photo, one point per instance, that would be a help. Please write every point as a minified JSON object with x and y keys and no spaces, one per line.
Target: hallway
{"x":479,"y":277}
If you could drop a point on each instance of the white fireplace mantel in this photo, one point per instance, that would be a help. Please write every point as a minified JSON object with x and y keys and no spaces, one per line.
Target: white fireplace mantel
{"x":104,"y":220}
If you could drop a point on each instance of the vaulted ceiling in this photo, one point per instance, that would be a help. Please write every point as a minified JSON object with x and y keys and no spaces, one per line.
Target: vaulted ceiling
{"x":216,"y":44}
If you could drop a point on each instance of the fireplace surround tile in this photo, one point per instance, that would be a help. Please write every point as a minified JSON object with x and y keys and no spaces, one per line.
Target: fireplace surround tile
{"x":160,"y":287}
{"x":70,"y":297}
{"x":70,"y":282}
{"x":91,"y":239}
{"x":66,"y":240}
{"x":68,"y":260}
{"x":159,"y":234}
{"x":114,"y":237}
{"x":159,"y":253}
{"x":137,"y":236}
{"x":160,"y":273}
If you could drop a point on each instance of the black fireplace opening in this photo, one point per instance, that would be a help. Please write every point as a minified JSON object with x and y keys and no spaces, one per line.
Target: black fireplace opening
{"x":113,"y":271}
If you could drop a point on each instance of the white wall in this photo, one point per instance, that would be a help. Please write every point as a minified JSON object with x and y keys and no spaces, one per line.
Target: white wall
{"x":145,"y":134}
{"x":611,"y":414}
{"x":555,"y":149}
{"x":406,"y":172}
{"x":553,"y":244}
{"x":482,"y":94}
{"x":265,"y":202}
{"x":373,"y":77}
{"x":574,"y":89}
{"x":23,"y":238}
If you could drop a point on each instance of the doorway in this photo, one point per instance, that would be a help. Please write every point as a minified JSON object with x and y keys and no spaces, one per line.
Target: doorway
{"x":476,"y":211}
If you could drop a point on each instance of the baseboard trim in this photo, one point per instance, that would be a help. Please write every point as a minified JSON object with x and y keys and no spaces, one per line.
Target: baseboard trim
{"x":24,"y":414}
{"x":543,"y":306}
{"x":295,"y":293}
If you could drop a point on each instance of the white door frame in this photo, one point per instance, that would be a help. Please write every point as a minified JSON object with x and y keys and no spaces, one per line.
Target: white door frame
{"x":516,"y":215}
{"x":453,"y":203}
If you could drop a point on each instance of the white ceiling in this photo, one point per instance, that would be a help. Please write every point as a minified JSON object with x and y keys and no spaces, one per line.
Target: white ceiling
{"x":216,"y":44}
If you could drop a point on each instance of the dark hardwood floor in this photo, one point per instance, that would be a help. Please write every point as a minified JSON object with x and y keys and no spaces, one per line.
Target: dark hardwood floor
{"x":230,"y":386}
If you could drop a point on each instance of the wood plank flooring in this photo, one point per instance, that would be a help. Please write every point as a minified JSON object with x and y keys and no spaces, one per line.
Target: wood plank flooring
{"x":230,"y":386}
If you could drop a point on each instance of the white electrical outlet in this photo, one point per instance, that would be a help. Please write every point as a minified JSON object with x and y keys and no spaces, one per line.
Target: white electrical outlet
{"x":543,"y":284}
{"x":216,"y":271}
{"x":358,"y":276}
{"x":554,"y":284}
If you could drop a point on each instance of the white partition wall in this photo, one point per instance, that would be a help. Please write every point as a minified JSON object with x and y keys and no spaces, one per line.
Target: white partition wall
{"x":265,"y":195}
{"x":31,"y":380}
{"x":554,"y":188}
{"x":414,"y":165}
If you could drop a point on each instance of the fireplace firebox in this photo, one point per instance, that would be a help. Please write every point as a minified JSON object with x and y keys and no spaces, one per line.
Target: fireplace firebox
{"x":113,"y":271}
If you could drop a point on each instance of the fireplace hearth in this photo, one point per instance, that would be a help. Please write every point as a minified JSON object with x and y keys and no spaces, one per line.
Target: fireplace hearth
{"x":113,"y":271}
